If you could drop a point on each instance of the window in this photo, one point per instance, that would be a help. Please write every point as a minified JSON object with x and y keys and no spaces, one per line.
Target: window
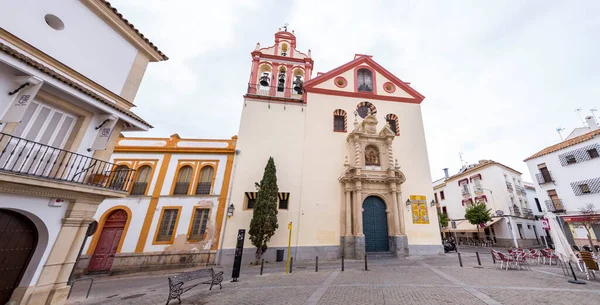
{"x":584,"y":188}
{"x":435,"y":197}
{"x":283,"y":200}
{"x":442,"y":195}
{"x":364,"y":78}
{"x":167,"y":224}
{"x":362,"y":109}
{"x":392,"y":120}
{"x":205,"y":183}
{"x":141,"y":181}
{"x":251,"y":199}
{"x":198,"y":224}
{"x":339,"y":120}
{"x":545,"y":173}
{"x":537,"y":203}
{"x":119,"y":177}
{"x":520,"y":228}
{"x":182,"y":184}
{"x":571,"y":159}
{"x":593,"y":153}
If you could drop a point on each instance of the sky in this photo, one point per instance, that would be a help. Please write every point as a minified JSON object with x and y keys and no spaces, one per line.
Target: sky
{"x":499,"y":77}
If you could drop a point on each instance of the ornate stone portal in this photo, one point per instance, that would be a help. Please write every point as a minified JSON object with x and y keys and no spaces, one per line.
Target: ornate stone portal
{"x":371,"y":172}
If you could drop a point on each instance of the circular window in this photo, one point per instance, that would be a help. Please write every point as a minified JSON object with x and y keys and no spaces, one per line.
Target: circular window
{"x":54,"y":22}
{"x":340,"y":82}
{"x":389,"y":87}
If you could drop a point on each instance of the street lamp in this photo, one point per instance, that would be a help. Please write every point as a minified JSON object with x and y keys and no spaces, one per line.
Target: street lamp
{"x":230,"y":210}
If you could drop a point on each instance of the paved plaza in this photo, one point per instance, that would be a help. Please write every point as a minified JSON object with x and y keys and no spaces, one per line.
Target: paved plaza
{"x":425,"y":280}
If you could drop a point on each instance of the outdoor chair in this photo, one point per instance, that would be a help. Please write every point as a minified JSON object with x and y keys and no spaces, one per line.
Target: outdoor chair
{"x":521,"y":261}
{"x":505,"y":259}
{"x":591,"y":266}
{"x":534,"y":255}
{"x":548,"y":255}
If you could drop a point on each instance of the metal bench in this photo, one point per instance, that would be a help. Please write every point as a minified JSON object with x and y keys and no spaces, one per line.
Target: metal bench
{"x":176,"y":282}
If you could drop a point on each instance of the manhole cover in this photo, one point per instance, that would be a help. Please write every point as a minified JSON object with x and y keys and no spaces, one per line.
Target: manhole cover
{"x":133,"y":296}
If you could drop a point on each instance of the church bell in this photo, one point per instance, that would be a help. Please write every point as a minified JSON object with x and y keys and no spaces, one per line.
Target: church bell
{"x":298,"y":85}
{"x":282,"y":77}
{"x":264,"y":80}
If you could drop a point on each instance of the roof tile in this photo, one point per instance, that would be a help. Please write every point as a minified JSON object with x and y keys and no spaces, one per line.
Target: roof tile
{"x":556,"y":147}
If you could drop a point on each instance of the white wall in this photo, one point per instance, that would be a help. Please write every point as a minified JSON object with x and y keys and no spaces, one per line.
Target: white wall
{"x":48,"y":221}
{"x":564,"y":175}
{"x":105,"y":57}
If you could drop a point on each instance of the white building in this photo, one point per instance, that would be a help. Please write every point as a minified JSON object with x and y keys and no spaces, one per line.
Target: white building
{"x":567,"y":178}
{"x":502,"y":190}
{"x":173,"y":214}
{"x":69,"y":72}
{"x":339,"y":142}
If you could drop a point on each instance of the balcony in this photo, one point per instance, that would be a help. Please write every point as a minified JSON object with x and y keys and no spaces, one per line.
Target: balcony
{"x":257,"y":90}
{"x":521,"y":190}
{"x":544,"y":177}
{"x":555,"y":205}
{"x":28,"y":158}
{"x":478,"y":190}
{"x":509,"y":186}
{"x":203,"y":188}
{"x":515,"y":210}
{"x":527,"y":213}
{"x":465,"y":191}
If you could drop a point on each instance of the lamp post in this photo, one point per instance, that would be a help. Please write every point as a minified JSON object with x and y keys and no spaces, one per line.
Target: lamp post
{"x":493,"y":200}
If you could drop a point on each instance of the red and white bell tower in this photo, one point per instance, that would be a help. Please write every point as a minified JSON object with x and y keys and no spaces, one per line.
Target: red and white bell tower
{"x":279,"y":71}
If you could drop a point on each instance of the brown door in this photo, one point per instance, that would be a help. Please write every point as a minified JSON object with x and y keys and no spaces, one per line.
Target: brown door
{"x":18,"y":239}
{"x":110,"y":237}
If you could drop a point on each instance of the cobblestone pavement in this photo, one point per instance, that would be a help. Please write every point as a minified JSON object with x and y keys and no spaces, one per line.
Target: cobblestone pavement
{"x":425,"y":280}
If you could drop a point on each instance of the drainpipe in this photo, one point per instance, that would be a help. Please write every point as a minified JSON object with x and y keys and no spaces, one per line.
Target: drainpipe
{"x":220,"y":253}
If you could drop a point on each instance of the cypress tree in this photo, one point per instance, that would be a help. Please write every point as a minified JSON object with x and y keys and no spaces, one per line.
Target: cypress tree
{"x":264,"y":216}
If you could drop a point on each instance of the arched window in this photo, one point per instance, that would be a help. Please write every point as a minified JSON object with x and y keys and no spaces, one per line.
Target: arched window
{"x":141,"y":181}
{"x":339,"y":120}
{"x":363,"y":109}
{"x":392,"y":119}
{"x":372,"y":156}
{"x":205,"y":183}
{"x":120,"y":177}
{"x":284,"y":49}
{"x":364,"y":77}
{"x":182,"y":184}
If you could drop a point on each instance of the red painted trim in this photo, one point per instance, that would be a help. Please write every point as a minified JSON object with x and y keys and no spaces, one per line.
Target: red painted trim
{"x":365,"y":59}
{"x":463,"y":180}
{"x":481,"y":197}
{"x":335,"y":81}
{"x":475,"y":176}
{"x":363,"y":95}
{"x":373,"y":79}
{"x":273,"y":98}
{"x":389,"y":84}
{"x":286,"y":58}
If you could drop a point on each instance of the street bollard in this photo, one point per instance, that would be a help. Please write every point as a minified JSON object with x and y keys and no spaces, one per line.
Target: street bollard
{"x":459,"y":259}
{"x":262,"y":265}
{"x":342,"y":263}
{"x":291,"y":263}
{"x":478,"y":259}
{"x":317,"y":265}
{"x":366,"y":268}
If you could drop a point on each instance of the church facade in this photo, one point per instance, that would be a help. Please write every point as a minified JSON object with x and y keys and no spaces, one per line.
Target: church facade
{"x":349,"y":147}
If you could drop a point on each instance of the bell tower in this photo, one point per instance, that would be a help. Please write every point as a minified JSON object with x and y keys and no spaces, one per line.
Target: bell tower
{"x":278,"y":72}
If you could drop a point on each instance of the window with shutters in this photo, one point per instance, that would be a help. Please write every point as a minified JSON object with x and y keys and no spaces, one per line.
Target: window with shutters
{"x":167,"y":224}
{"x":198,"y":224}
{"x":140,"y":185}
{"x":205,"y":181}
{"x":364,"y":78}
{"x":593,"y":153}
{"x":182,"y":184}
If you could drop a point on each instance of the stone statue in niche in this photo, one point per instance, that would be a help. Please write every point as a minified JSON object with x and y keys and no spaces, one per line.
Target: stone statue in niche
{"x":372,"y":156}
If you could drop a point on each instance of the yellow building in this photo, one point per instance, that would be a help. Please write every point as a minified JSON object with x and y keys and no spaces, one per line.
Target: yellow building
{"x":65,"y":96}
{"x":175,"y":206}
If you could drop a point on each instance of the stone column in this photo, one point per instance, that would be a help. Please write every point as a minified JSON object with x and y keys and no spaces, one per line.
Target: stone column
{"x":359,"y":236}
{"x":399,"y":240}
{"x":348,"y":213}
{"x":395,"y":212}
{"x":401,"y":207}
{"x":348,"y":239}
{"x":52,"y":286}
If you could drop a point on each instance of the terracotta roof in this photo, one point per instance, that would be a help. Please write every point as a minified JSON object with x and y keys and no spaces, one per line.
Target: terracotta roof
{"x":556,"y":147}
{"x":478,"y":166}
{"x":31,"y":62}
{"x":134,"y":29}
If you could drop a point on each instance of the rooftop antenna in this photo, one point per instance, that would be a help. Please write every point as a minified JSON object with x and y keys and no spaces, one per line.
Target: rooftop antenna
{"x":593,"y":110}
{"x":462,"y":162}
{"x":559,"y":130}
{"x":578,"y":110}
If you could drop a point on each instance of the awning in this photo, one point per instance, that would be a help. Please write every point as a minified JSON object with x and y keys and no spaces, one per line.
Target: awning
{"x":581,"y":218}
{"x":465,"y":226}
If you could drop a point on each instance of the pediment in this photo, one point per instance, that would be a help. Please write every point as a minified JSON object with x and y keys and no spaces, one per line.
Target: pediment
{"x":344,"y":81}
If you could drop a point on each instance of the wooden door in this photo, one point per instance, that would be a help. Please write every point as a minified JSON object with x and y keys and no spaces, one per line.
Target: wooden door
{"x":108,"y":243}
{"x":18,"y":239}
{"x":375,"y":225}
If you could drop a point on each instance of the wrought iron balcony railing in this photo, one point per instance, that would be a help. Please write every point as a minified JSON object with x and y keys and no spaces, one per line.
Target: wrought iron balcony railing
{"x":275,"y":91}
{"x":555,"y":205}
{"x":544,"y":177}
{"x":29,"y":158}
{"x":515,"y":210}
{"x":203,"y":188}
{"x":509,"y":186}
{"x":465,"y":191}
